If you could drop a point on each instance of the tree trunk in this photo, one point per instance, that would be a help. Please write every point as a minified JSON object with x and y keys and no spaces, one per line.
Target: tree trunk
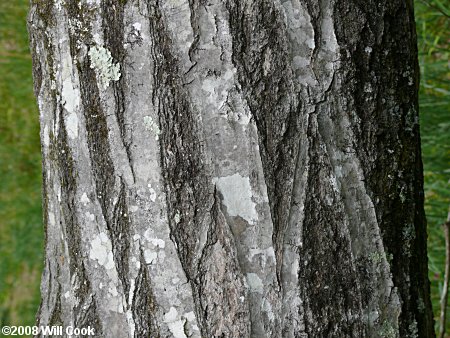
{"x":231,"y":168}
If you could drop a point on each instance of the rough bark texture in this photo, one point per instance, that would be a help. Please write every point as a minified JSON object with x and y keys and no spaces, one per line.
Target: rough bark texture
{"x":254,"y":170}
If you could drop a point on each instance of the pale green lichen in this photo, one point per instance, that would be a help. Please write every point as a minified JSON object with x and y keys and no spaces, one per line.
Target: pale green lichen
{"x":408,"y":232}
{"x":387,"y":330}
{"x":102,"y":63}
{"x":413,"y":330}
{"x":402,"y":197}
{"x":177,"y":217}
{"x":420,"y":305}
{"x":389,"y":257}
{"x":408,"y":236}
{"x":376,"y":257}
{"x":152,"y":126}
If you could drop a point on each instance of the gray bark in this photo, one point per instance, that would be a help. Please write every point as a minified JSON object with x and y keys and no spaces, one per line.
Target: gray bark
{"x":231,"y":168}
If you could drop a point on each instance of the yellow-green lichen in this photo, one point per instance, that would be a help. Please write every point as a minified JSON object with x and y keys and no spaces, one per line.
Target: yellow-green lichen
{"x":387,"y":330}
{"x":102,"y":63}
{"x":152,"y":126}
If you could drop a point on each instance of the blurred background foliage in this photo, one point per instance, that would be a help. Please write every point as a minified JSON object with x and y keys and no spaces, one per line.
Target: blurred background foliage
{"x":433,"y":33}
{"x":21,"y":230}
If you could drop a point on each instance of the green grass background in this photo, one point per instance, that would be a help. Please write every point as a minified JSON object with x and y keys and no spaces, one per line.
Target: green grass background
{"x":21,"y":231}
{"x":433,"y":32}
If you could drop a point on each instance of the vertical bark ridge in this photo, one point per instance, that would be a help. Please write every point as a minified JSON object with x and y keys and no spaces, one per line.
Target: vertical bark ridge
{"x":112,"y":201}
{"x":49,"y":309}
{"x":220,"y":277}
{"x":97,"y":138}
{"x":381,"y":55}
{"x":182,"y":158}
{"x":68,"y":182}
{"x":95,"y":120}
{"x":120,"y":233}
{"x":328,"y":292}
{"x":266,"y":79}
{"x":269,"y":83}
{"x":113,"y":32}
{"x":90,"y":317}
{"x":189,"y":196}
{"x":55,"y":315}
{"x":324,"y":51}
{"x":144,"y":305}
{"x":231,"y":144}
{"x":205,"y":67}
{"x":111,"y":189}
{"x":111,"y":237}
{"x":68,"y":177}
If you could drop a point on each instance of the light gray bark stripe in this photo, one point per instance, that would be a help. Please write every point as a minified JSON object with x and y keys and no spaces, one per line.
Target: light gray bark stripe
{"x":192,"y":206}
{"x":107,"y":205}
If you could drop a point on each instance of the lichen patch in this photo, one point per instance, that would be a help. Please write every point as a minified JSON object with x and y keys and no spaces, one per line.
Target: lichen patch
{"x":254,"y":283}
{"x":101,"y":251}
{"x":72,"y":125}
{"x":171,"y":315}
{"x":150,"y":256}
{"x":84,"y":199}
{"x":263,"y":255}
{"x":157,"y":243}
{"x":237,"y":196}
{"x":152,"y":126}
{"x":102,"y":63}
{"x":176,"y":326}
{"x":46,"y":136}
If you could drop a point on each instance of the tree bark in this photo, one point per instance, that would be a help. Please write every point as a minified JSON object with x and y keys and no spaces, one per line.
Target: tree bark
{"x":231,"y":168}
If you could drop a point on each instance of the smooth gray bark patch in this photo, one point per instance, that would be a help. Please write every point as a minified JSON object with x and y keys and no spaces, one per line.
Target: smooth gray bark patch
{"x":231,"y":168}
